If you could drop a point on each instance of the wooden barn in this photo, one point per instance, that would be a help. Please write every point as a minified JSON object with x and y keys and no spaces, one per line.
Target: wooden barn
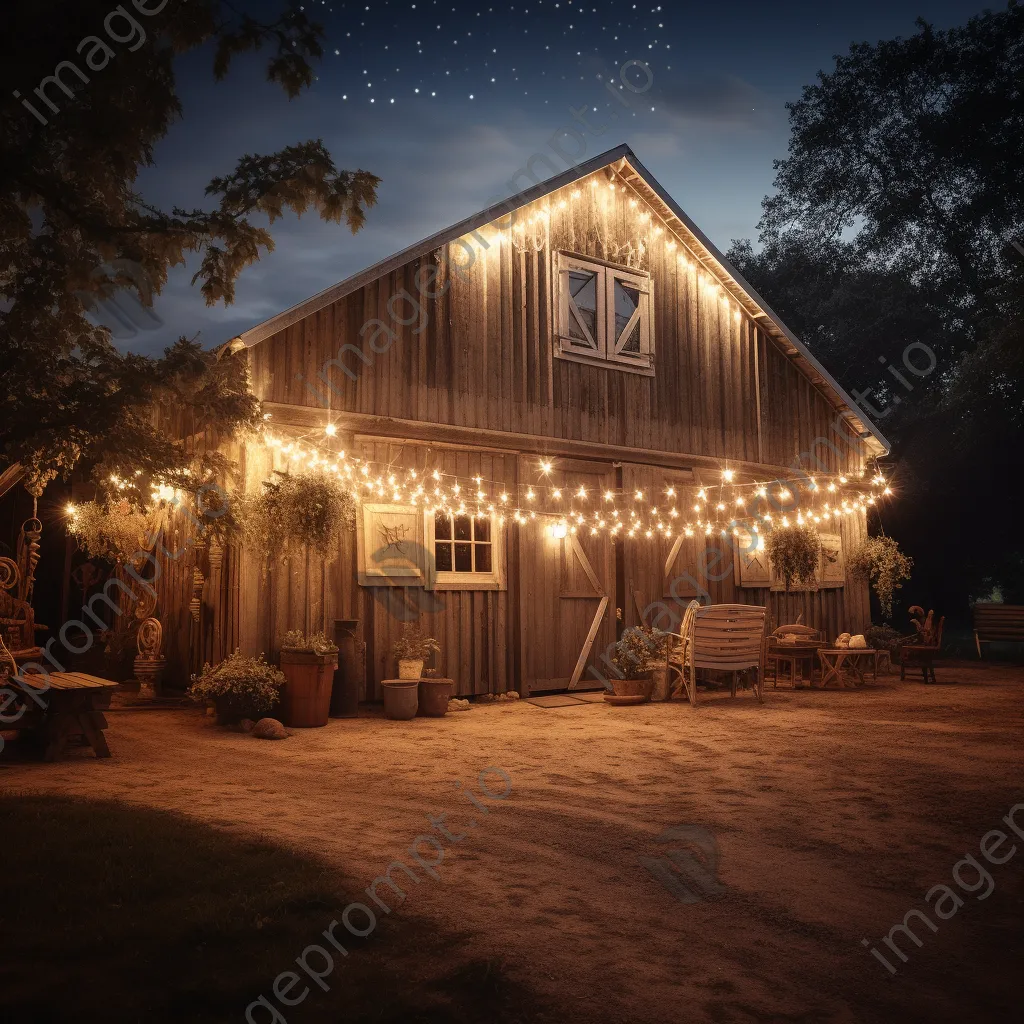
{"x":561,"y":414}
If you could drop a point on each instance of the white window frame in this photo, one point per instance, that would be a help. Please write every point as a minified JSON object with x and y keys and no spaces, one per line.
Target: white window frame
{"x":493,"y":580}
{"x":607,"y":351}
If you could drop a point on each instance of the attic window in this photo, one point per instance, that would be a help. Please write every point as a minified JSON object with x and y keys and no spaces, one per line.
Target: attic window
{"x":604,"y":315}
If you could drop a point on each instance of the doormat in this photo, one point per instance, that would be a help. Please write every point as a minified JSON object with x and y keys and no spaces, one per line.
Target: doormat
{"x":555,"y":700}
{"x":596,"y":697}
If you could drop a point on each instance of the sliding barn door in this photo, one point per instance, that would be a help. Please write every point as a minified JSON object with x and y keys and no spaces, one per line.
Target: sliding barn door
{"x":567,"y":584}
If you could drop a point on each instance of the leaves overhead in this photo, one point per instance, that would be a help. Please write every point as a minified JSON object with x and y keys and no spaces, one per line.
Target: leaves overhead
{"x":75,"y":228}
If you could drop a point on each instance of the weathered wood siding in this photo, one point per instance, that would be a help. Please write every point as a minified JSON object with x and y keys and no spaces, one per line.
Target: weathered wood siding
{"x":481,"y":355}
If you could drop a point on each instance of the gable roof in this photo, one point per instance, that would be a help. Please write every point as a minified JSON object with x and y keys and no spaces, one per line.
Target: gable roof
{"x":632,"y":171}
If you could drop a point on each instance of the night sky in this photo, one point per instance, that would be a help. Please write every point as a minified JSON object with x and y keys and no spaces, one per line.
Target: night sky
{"x":446,"y":100}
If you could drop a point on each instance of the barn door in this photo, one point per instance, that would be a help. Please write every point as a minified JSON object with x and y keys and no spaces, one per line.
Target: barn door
{"x":567,"y":587}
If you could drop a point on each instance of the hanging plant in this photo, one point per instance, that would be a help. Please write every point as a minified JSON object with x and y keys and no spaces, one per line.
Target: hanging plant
{"x":295,"y":513}
{"x":794,"y":553}
{"x":117,"y":531}
{"x":880,"y":561}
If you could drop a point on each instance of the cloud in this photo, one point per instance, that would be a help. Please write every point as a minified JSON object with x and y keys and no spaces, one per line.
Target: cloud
{"x":722,"y":99}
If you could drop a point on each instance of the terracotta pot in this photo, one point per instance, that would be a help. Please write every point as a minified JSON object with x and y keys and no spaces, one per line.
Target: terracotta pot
{"x":410,"y":668}
{"x":306,"y":701}
{"x":401,"y":698}
{"x":639,"y":687}
{"x":433,"y":696}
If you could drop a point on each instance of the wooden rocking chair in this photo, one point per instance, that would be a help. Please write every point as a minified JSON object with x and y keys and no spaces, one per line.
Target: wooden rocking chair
{"x":726,"y":638}
{"x":676,"y":649}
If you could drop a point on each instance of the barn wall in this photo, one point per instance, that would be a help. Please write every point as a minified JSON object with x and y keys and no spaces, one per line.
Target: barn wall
{"x":481,"y":354}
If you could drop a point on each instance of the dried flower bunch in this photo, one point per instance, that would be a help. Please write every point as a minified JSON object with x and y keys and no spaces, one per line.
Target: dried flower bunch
{"x":241,"y":686}
{"x":296,"y":512}
{"x":637,"y":651}
{"x":880,"y":560}
{"x":117,"y":530}
{"x":317,"y":643}
{"x":414,"y":643}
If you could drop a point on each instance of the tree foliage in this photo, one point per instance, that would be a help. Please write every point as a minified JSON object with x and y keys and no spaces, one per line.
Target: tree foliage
{"x":72,"y":217}
{"x":891,"y":232}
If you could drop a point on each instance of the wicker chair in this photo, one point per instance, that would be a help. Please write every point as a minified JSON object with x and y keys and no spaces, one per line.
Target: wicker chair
{"x":726,"y":638}
{"x":675,"y":654}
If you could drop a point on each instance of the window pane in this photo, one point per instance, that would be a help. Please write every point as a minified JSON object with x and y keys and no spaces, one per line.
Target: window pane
{"x":627,"y":300}
{"x":443,"y":557}
{"x":482,"y":528}
{"x":442,"y":526}
{"x":463,"y":557}
{"x":583,"y":290}
{"x":483,"y":557}
{"x":632,"y":344}
{"x":462,"y":528}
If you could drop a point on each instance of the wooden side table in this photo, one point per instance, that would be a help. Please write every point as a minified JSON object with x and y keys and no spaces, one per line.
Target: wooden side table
{"x":840,"y":664}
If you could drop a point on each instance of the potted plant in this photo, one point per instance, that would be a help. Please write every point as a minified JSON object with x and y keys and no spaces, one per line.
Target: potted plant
{"x":880,"y":560}
{"x":794,"y":552}
{"x":239,"y":687}
{"x":635,"y":656}
{"x":308,"y":663}
{"x":411,"y":649}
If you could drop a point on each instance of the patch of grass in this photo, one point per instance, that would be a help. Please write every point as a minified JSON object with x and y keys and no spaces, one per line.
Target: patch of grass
{"x":118,"y":913}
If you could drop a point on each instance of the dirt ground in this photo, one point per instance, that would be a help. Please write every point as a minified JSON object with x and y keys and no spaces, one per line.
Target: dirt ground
{"x":833,"y":813}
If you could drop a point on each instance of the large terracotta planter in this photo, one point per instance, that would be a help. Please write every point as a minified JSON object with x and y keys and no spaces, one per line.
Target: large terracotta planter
{"x":401,"y":698}
{"x":631,"y":691}
{"x":433,"y":695}
{"x":306,"y":700}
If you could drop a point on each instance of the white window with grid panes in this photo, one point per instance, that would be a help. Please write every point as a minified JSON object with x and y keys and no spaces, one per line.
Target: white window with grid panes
{"x":604,"y":314}
{"x":468,"y":550}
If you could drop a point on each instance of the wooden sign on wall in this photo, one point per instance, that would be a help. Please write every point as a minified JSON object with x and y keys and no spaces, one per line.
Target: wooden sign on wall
{"x":833,"y":565}
{"x":751,"y":561}
{"x":390,"y":543}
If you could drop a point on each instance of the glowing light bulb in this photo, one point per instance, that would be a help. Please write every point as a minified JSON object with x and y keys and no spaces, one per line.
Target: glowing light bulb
{"x":727,"y":475}
{"x":545,"y":466}
{"x":330,"y":430}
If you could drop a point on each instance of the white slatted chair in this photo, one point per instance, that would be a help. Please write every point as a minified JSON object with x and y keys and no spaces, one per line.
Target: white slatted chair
{"x":727,"y":638}
{"x":676,"y":648}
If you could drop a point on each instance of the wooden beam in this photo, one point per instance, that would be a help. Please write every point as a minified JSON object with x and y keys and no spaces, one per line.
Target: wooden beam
{"x":11,"y":477}
{"x":585,"y":653}
{"x":448,"y":435}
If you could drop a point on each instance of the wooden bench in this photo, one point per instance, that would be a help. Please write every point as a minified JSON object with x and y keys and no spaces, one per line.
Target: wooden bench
{"x":61,"y":707}
{"x":998,"y":624}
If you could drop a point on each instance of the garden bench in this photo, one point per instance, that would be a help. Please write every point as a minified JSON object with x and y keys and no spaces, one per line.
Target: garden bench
{"x":70,"y":707}
{"x":998,"y":624}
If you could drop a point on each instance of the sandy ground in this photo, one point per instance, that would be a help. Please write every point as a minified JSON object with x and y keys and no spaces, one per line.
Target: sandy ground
{"x":833,"y":813}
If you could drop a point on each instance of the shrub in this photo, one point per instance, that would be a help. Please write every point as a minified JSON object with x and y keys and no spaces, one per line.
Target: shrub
{"x":883,"y":638}
{"x":240,"y":687}
{"x":116,"y":531}
{"x":880,"y":560}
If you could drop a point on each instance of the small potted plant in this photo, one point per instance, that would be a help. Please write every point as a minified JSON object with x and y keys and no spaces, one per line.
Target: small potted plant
{"x":308,"y":663}
{"x":635,"y":657}
{"x":239,"y":687}
{"x":412,"y":648}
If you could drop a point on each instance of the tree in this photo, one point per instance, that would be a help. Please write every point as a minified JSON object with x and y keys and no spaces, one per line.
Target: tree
{"x":73,"y":223}
{"x":918,"y":145}
{"x":892,"y":227}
